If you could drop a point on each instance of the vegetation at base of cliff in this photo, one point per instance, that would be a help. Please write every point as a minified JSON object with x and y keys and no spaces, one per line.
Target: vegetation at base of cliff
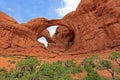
{"x":31,"y":68}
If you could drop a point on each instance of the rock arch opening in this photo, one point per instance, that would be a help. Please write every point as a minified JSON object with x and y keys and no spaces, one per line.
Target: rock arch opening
{"x":63,"y":39}
{"x":52,"y":30}
{"x":57,"y":38}
{"x":46,"y":36}
{"x":43,"y":40}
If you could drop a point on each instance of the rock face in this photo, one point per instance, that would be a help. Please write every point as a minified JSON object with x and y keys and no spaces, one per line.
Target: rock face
{"x":63,"y":40}
{"x":94,"y":26}
{"x":21,"y":39}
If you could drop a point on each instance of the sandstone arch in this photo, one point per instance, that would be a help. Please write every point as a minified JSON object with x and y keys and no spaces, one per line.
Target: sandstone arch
{"x":66,"y":43}
{"x":26,"y":34}
{"x":95,"y":25}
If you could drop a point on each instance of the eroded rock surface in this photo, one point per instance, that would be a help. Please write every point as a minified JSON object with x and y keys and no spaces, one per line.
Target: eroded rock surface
{"x":63,"y":40}
{"x":94,"y":26}
{"x":21,"y":39}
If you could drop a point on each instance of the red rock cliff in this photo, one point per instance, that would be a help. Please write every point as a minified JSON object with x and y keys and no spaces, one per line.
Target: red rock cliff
{"x":96,"y":26}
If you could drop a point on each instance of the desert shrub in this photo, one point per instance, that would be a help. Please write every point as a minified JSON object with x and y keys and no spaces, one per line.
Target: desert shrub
{"x":69,"y":63}
{"x":72,"y":67}
{"x":3,"y":74}
{"x":28,"y":64}
{"x":25,"y":69}
{"x":91,"y":64}
{"x":107,"y":65}
{"x":92,"y":74}
{"x":115,"y":56}
{"x":77,"y":69}
{"x":54,"y":71}
{"x":91,"y":61}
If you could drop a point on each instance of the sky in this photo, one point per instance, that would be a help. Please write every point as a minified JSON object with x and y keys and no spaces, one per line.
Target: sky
{"x":25,"y":10}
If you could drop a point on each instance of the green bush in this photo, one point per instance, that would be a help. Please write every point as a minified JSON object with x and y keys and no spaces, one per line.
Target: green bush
{"x":28,"y":64}
{"x":90,"y":61}
{"x":105,"y":64}
{"x":69,"y":63}
{"x":92,"y":74}
{"x":77,"y":69}
{"x":25,"y":69}
{"x":3,"y":74}
{"x":54,"y":71}
{"x":114,"y":56}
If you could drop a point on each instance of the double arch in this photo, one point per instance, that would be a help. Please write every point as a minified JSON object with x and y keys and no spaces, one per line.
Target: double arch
{"x":59,"y":22}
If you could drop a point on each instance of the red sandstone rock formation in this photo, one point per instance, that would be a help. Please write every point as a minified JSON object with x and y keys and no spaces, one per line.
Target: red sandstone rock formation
{"x":94,"y":26}
{"x":63,"y":40}
{"x":6,"y":18}
{"x":21,"y":39}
